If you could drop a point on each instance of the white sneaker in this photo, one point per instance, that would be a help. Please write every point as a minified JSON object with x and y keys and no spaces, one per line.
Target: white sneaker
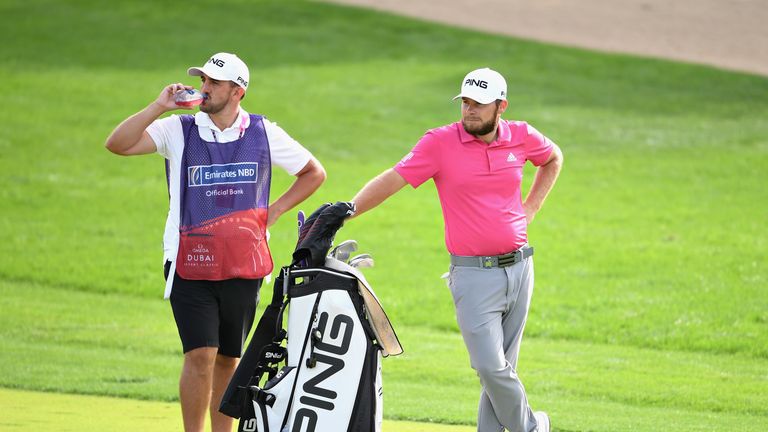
{"x":542,"y":421}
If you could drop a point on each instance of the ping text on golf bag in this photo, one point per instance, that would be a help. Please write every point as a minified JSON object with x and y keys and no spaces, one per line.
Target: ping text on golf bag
{"x":332,"y":377}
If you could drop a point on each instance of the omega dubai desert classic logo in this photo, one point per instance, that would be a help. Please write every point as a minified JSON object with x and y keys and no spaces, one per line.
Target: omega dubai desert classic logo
{"x":201,"y":256}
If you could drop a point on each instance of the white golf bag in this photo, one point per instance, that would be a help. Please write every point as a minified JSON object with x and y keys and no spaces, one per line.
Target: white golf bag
{"x":331,"y":381}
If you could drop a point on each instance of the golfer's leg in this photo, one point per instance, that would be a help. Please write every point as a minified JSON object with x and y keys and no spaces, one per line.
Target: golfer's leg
{"x":195,"y":387}
{"x":480,"y":298}
{"x":486,"y":418}
{"x":514,"y":319}
{"x":520,"y":287}
{"x":222,"y":372}
{"x":503,"y":388}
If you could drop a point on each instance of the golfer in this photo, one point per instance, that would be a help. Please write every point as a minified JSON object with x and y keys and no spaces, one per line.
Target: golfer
{"x":219,"y":165}
{"x":477,"y":166}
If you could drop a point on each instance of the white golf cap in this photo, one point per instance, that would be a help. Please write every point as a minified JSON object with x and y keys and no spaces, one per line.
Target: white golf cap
{"x":224,"y":67}
{"x":483,"y":86}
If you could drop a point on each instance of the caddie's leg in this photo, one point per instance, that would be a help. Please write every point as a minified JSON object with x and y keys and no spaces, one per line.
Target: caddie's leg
{"x":195,"y":310}
{"x":195,"y":387}
{"x":222,"y":372}
{"x":237,"y":300}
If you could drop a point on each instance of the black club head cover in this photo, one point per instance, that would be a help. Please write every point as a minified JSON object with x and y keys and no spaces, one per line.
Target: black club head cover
{"x":315,"y":242}
{"x":308,"y":222}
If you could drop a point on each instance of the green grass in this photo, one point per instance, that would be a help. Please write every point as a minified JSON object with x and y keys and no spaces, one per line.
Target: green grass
{"x":650,"y":253}
{"x":69,"y":352}
{"x":67,"y":413}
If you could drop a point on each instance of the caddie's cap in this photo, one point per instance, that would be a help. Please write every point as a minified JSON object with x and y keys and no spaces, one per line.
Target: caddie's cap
{"x":224,"y":67}
{"x":483,"y":86}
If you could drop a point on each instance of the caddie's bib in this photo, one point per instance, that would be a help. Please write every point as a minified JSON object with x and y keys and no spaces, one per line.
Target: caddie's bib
{"x":224,"y":201}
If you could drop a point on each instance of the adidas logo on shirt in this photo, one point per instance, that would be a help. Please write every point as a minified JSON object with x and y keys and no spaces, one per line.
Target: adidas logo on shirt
{"x":511,"y":157}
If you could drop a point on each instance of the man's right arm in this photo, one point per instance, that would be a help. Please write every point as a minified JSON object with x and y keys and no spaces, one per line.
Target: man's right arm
{"x":377,"y":190}
{"x":130,"y":137}
{"x":421,"y":164}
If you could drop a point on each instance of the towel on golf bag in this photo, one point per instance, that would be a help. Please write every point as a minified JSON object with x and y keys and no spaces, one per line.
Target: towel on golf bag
{"x":377,"y":318}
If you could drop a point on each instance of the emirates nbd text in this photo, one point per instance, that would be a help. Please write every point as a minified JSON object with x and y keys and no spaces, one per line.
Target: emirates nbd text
{"x":216,"y":174}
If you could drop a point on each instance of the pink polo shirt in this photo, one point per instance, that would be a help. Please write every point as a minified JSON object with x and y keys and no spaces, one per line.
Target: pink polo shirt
{"x":478,"y":183}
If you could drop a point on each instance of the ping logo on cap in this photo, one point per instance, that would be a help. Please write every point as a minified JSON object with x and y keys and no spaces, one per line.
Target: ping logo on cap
{"x":217,"y":62}
{"x":483,"y":86}
{"x":478,"y":83}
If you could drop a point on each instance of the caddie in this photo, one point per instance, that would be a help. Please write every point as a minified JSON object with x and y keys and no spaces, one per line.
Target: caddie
{"x":219,"y":167}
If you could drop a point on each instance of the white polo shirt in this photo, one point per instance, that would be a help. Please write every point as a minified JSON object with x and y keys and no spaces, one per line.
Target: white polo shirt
{"x":168,"y":136}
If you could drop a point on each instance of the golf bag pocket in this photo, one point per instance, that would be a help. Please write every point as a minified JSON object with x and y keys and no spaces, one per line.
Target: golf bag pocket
{"x":270,"y":403}
{"x":218,"y":250}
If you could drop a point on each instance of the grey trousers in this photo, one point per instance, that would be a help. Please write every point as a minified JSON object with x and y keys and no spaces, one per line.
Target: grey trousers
{"x":491,"y":310}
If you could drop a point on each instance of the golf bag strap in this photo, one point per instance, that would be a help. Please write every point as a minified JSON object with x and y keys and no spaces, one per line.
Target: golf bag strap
{"x":267,"y":330}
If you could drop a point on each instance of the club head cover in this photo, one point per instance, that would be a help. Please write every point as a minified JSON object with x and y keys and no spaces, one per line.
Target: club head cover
{"x":314,"y":244}
{"x":308,"y":222}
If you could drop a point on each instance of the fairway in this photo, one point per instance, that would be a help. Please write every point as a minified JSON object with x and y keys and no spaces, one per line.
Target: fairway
{"x":650,"y":299}
{"x":71,"y":413}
